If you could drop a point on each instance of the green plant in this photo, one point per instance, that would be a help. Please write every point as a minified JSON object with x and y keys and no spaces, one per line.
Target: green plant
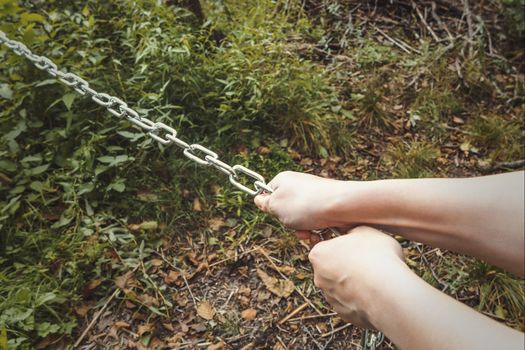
{"x":498,"y":137}
{"x":412,"y":160}
{"x":515,"y":13}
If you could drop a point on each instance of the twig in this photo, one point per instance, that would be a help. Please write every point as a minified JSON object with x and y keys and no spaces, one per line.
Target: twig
{"x":468,"y":16}
{"x":312,"y":316}
{"x":336,"y":330}
{"x":440,"y":23}
{"x":424,"y":21}
{"x":399,"y":43}
{"x":97,"y":315}
{"x":293,"y":313}
{"x":286,"y":278}
{"x":232,"y":257}
{"x":459,"y":130}
{"x":425,"y":260}
{"x":182,"y":275}
{"x":510,"y":165}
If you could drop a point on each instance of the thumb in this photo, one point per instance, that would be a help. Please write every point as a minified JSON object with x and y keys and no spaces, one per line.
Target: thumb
{"x":261,"y":201}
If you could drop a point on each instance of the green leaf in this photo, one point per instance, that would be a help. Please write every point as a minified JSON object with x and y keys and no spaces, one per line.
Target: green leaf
{"x":45,"y":328}
{"x":3,"y":338}
{"x":6,"y":92}
{"x":12,"y":206}
{"x":118,"y":186}
{"x":68,"y":100}
{"x":37,"y":186}
{"x":7,"y":165}
{"x":37,"y":170}
{"x":62,"y":222}
{"x":323,"y":152}
{"x":149,"y":225}
{"x":46,"y":298}
{"x":31,"y":17}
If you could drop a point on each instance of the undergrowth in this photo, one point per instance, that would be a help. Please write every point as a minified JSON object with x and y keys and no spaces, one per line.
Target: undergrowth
{"x":86,"y":197}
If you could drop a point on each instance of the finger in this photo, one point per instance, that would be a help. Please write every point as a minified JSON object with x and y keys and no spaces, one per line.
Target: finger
{"x":303,"y":235}
{"x":261,"y":201}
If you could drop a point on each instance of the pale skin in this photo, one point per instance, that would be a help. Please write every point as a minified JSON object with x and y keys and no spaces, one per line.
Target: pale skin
{"x":363,"y":274}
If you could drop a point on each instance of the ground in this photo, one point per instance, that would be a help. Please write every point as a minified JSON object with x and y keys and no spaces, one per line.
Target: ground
{"x":138,"y":249}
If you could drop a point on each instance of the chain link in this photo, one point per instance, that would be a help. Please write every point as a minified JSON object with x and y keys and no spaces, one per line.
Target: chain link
{"x":158,"y":131}
{"x":371,"y":340}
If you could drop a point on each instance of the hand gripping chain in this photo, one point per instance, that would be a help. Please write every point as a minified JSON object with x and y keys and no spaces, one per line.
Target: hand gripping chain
{"x":158,"y":131}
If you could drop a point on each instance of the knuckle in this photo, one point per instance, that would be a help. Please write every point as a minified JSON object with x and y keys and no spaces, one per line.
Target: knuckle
{"x":318,"y":282}
{"x":361,"y":229}
{"x":316,"y":254}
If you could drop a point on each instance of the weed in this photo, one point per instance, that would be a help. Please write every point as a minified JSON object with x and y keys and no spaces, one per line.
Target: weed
{"x":412,"y":160}
{"x":500,"y":138}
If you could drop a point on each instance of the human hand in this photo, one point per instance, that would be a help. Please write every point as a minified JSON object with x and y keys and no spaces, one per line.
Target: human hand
{"x":354,"y":269}
{"x":302,"y":201}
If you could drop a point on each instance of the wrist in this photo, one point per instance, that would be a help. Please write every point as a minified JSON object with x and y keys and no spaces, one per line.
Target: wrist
{"x":357,"y":202}
{"x":387,"y":293}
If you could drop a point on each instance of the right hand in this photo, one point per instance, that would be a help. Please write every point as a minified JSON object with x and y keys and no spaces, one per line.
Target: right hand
{"x":302,"y":201}
{"x":353,"y":270}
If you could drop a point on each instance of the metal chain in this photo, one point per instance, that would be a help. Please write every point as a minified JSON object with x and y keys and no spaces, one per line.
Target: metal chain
{"x":372,"y":340}
{"x":158,"y":131}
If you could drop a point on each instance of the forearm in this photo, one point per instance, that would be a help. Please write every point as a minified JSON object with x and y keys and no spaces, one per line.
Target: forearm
{"x":481,"y":216}
{"x":414,"y":315}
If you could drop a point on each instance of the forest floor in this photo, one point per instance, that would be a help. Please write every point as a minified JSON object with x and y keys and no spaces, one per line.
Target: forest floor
{"x":432,"y":88}
{"x":257,"y":293}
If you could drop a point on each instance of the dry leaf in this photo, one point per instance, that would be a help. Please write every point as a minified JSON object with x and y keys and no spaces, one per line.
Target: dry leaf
{"x":156,"y":262}
{"x":197,"y":206}
{"x":122,"y":281}
{"x":144,"y":328}
{"x":82,"y":310}
{"x":205,"y":310}
{"x":93,"y":284}
{"x":278,"y":346}
{"x":218,"y":346}
{"x":287,"y":270}
{"x":458,"y":120}
{"x":249,"y":314}
{"x":121,"y":324}
{"x":279,"y":287}
{"x":215,"y":223}
{"x":172,"y":277}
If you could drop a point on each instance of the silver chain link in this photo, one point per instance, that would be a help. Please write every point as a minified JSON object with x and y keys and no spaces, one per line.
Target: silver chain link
{"x":158,"y":131}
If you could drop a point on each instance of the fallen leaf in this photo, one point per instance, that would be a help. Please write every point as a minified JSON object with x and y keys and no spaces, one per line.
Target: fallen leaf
{"x":465,"y":146}
{"x":278,"y":346}
{"x":121,"y":324}
{"x":121,"y":281}
{"x":215,"y":223}
{"x":172,"y":277}
{"x":218,"y":346}
{"x":169,"y":327}
{"x":156,"y":262}
{"x":458,"y":120}
{"x":93,"y":284}
{"x":249,"y":314}
{"x":205,"y":310}
{"x":144,"y":328}
{"x":82,"y":310}
{"x":197,"y":206}
{"x":287,"y":270}
{"x":199,"y":327}
{"x":146,"y":226}
{"x":279,"y":287}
